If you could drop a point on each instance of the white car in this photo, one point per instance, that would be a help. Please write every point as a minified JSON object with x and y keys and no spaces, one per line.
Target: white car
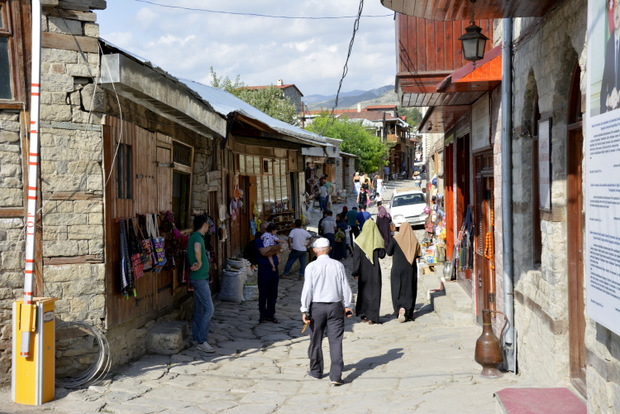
{"x":407,"y":206}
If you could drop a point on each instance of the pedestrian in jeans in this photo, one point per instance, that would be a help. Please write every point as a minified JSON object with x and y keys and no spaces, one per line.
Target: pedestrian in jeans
{"x":199,"y":277}
{"x":325,"y":302}
{"x":297,"y":240}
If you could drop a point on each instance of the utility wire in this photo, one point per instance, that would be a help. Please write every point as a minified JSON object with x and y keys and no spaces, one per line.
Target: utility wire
{"x":345,"y":69}
{"x":269,"y":16}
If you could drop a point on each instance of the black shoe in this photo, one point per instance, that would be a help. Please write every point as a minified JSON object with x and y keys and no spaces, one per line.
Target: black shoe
{"x":313,"y":377}
{"x":337,"y":383}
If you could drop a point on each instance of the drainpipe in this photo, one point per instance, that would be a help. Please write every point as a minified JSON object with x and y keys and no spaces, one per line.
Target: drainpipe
{"x":33,"y":171}
{"x":510,"y":343}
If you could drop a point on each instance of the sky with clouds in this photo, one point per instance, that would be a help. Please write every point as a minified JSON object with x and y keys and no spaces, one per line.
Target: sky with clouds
{"x":307,"y":52}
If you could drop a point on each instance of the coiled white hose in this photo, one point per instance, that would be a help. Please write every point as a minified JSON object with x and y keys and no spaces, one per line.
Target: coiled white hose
{"x":99,"y":369}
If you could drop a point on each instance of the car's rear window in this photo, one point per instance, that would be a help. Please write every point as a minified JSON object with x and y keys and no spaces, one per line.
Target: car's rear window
{"x":407,"y":199}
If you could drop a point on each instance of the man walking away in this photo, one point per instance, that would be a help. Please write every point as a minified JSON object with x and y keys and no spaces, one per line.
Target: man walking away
{"x":199,"y":277}
{"x":328,"y":226}
{"x":297,"y":241}
{"x":325,"y":302}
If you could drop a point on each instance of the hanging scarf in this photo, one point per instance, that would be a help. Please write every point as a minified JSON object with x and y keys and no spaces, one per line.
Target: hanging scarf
{"x":370,"y":239}
{"x":383,"y":213}
{"x":408,"y":242}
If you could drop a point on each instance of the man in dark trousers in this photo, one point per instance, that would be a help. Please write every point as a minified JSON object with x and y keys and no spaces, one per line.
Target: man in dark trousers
{"x":325,"y":302}
{"x":268,"y":279}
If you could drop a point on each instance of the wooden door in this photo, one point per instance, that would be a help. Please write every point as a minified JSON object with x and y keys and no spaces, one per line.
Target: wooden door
{"x":575,"y":227}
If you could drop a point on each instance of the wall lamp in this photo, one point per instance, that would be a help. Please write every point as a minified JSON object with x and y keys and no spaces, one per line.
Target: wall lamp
{"x":473,"y":41}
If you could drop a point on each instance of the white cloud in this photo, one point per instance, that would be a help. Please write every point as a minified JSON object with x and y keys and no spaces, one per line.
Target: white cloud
{"x":309,"y":53}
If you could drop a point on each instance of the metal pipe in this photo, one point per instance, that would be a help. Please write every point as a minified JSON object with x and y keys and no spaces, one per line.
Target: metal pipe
{"x":33,"y":167}
{"x":510,"y":343}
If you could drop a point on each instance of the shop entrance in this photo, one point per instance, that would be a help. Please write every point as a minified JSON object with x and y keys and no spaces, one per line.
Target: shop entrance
{"x":484,"y":263}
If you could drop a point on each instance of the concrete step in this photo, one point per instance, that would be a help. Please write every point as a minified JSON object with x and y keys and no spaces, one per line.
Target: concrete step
{"x":453,"y":306}
{"x":166,"y":338}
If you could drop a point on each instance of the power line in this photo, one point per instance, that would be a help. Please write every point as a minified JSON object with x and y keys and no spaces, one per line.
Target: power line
{"x":269,"y":16}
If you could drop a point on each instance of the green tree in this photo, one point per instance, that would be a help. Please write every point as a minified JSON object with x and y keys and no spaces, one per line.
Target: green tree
{"x":412,"y":116}
{"x":356,"y":140}
{"x":269,"y":100}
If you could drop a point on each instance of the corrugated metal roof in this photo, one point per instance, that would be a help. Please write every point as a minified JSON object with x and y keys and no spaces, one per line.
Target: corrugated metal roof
{"x":226,"y":103}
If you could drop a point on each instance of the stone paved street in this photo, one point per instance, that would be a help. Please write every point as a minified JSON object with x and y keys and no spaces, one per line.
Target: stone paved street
{"x":418,"y":366}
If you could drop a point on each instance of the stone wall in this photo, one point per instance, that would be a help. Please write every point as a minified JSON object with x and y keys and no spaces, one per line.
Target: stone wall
{"x":541,"y":295}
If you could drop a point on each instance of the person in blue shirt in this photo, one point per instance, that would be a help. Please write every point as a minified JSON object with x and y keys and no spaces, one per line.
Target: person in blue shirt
{"x":268,"y":278}
{"x":362,"y":216}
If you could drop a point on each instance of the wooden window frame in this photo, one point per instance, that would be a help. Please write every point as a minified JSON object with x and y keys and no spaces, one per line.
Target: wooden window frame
{"x":17,"y":18}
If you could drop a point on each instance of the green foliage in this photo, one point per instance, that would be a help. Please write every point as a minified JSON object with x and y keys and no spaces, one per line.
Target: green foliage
{"x":355,"y":140}
{"x":413,"y":116}
{"x":269,"y":100}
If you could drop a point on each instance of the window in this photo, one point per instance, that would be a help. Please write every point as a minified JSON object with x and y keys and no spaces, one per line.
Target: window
{"x":6,"y":89}
{"x":124,"y":171}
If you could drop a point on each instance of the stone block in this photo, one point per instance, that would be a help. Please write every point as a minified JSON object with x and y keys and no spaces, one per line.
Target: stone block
{"x":55,"y":113}
{"x":7,"y":136}
{"x":62,"y":25}
{"x":11,"y":197}
{"x":57,"y":83}
{"x":166,"y":338}
{"x":80,"y":70}
{"x":91,"y":29}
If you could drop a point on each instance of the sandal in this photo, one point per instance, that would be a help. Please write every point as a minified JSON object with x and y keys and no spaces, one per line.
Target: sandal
{"x":274,"y":320}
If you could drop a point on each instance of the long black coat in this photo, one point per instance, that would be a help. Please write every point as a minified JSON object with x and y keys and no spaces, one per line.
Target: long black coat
{"x":368,"y":283}
{"x":404,"y":282}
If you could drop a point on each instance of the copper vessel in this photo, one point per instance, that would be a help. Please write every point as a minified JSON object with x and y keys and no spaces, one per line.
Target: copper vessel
{"x":488,"y":350}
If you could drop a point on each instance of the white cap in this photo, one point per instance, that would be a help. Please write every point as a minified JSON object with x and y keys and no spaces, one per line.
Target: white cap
{"x":322,"y":242}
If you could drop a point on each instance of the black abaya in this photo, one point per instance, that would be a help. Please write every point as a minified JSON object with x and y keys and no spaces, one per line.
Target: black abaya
{"x":404,"y":282}
{"x":368,"y":283}
{"x":383,"y":223}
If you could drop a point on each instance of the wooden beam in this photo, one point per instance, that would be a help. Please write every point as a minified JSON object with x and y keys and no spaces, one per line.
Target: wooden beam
{"x":68,"y":42}
{"x":72,"y":196}
{"x":12,"y":212}
{"x":57,"y":261}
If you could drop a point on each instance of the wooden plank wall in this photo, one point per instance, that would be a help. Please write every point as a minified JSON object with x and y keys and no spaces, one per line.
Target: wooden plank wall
{"x":433,"y":45}
{"x":152,"y":193}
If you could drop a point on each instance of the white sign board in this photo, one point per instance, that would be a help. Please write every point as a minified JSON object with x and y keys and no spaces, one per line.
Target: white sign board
{"x":480,"y":124}
{"x":602,"y":171}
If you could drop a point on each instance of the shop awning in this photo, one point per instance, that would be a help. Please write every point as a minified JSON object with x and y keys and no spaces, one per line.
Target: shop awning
{"x":461,"y":89}
{"x":461,"y":9}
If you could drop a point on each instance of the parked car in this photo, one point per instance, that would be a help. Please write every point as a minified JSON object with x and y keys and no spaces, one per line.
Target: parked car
{"x":407,"y":206}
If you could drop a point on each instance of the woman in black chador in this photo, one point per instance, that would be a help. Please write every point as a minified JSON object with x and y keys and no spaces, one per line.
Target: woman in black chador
{"x":369,"y":248}
{"x":404,"y":248}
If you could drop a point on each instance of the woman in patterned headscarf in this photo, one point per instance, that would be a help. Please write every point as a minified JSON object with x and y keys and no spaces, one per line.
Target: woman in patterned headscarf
{"x":369,"y":248}
{"x":384,"y":222}
{"x":404,"y":248}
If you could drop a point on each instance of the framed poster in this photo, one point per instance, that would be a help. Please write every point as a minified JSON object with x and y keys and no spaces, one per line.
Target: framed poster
{"x":544,"y":163}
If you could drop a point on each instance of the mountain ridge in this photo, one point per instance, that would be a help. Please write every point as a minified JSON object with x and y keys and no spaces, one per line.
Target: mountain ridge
{"x":383,"y":95}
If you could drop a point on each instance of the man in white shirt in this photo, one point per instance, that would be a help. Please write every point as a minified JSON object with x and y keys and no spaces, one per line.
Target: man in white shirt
{"x":325,"y":302}
{"x":297,"y":241}
{"x":328,"y":227}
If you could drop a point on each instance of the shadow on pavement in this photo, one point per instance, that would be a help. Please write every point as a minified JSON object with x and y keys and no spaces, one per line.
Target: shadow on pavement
{"x":370,"y":363}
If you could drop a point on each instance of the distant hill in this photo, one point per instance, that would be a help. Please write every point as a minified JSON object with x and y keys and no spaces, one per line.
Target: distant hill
{"x":384,"y":95}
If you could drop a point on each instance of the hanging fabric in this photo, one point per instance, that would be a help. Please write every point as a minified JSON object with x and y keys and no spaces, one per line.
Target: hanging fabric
{"x":135,"y":250}
{"x":148,"y":257}
{"x":158,"y":242}
{"x":126,"y":282}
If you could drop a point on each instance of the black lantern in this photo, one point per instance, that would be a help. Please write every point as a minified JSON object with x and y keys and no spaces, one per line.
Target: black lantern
{"x":473,"y":41}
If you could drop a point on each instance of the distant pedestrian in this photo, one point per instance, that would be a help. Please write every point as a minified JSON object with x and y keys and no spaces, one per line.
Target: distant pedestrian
{"x":361,"y":217}
{"x":323,"y":197}
{"x":329,"y":229}
{"x":357,"y":184}
{"x":268,"y":279}
{"x":384,"y":223}
{"x":340,"y":243}
{"x":404,"y":247}
{"x":386,"y":173}
{"x":199,"y":277}
{"x":325,"y":302}
{"x":352,"y":221}
{"x":298,"y":239}
{"x":369,"y":248}
{"x":270,"y":238}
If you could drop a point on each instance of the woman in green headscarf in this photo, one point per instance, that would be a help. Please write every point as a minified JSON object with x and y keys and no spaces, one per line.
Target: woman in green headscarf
{"x":369,"y":248}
